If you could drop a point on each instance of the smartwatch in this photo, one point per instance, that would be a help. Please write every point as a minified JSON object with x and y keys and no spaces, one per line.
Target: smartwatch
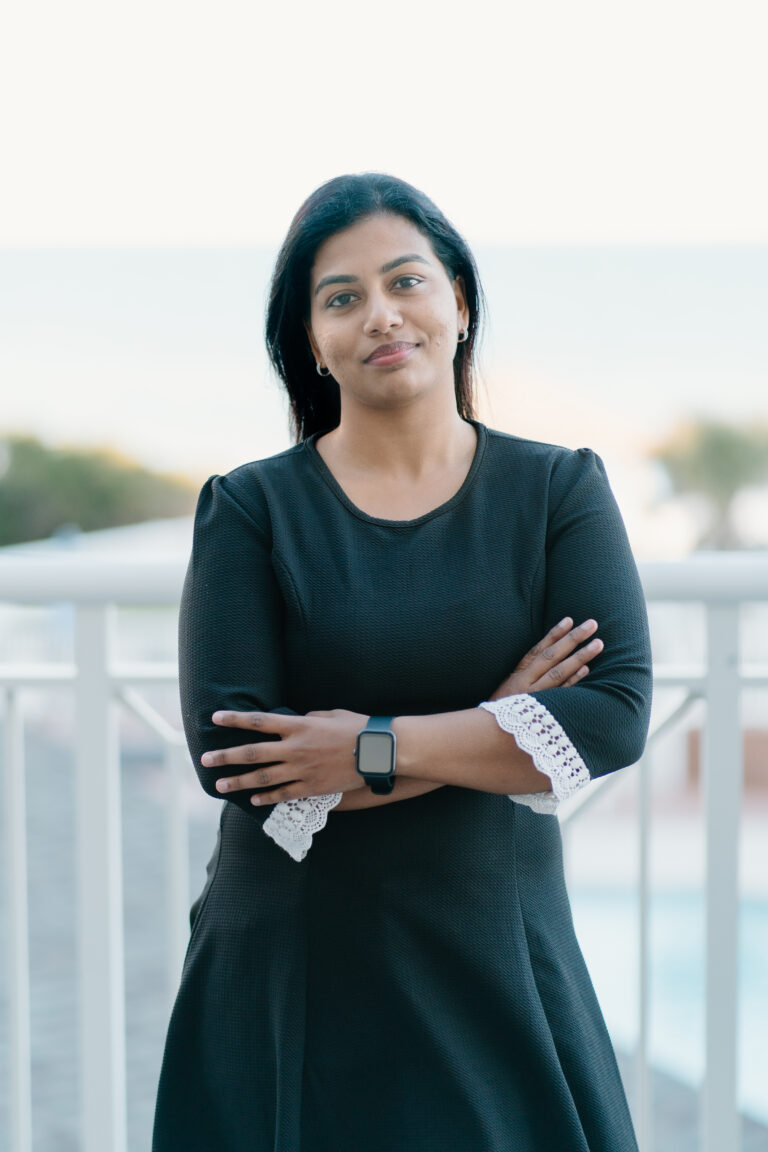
{"x":375,"y":754}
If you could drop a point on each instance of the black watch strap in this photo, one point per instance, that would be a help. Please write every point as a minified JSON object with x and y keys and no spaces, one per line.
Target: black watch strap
{"x":379,"y":724}
{"x":380,"y":785}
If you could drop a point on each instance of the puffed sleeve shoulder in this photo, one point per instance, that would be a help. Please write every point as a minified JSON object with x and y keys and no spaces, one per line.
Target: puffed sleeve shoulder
{"x":599,"y":725}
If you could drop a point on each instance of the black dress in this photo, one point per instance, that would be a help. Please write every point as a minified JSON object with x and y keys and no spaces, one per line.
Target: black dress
{"x":414,"y":984}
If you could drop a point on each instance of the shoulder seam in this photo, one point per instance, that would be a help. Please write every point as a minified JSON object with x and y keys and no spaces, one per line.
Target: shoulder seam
{"x":265,"y":532}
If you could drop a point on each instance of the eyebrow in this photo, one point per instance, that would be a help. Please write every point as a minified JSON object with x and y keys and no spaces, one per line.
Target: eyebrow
{"x":340,"y":278}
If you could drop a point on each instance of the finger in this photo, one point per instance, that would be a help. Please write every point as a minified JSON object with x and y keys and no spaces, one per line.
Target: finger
{"x":293,"y":791}
{"x":276,"y":775}
{"x":557,"y":675}
{"x":579,"y":674}
{"x":257,"y":721}
{"x":552,"y":654}
{"x":551,"y":637}
{"x":265,"y":752}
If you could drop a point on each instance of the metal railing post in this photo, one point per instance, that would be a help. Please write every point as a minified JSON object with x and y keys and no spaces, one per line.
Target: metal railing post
{"x":643,"y":1092}
{"x":722,"y":762}
{"x":18,"y":909}
{"x":177,"y":832}
{"x":100,"y":889}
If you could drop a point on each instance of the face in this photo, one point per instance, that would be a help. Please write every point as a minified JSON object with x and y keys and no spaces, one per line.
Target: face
{"x":385,"y":316}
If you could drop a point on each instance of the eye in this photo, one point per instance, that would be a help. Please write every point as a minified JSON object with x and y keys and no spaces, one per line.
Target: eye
{"x":407,"y":281}
{"x":340,"y":300}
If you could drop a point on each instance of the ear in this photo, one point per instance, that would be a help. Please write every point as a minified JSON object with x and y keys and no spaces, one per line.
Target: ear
{"x":312,"y":342}
{"x":462,"y":307}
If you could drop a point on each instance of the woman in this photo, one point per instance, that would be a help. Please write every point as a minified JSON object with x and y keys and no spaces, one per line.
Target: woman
{"x":392,"y":966}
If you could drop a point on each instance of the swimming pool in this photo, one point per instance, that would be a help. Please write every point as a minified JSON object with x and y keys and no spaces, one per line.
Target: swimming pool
{"x":677,"y":981}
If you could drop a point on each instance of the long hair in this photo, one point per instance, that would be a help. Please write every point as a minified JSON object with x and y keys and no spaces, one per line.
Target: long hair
{"x":334,"y":206}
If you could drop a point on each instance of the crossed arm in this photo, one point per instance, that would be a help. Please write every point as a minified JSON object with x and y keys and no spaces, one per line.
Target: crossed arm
{"x":586,"y":567}
{"x":314,"y":753}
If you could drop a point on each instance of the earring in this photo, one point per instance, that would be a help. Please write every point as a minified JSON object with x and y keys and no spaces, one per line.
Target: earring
{"x":322,"y":369}
{"x":463,"y":334}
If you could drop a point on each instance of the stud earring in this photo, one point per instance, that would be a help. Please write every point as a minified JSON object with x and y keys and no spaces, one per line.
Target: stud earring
{"x":322,"y":369}
{"x":463,"y":334}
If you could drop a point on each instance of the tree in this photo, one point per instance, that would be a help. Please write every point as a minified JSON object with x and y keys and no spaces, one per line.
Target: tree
{"x":715,"y":460}
{"x":43,"y":489}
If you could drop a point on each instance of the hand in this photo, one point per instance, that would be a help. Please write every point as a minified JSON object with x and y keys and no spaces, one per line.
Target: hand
{"x":314,"y":756}
{"x":553,"y":663}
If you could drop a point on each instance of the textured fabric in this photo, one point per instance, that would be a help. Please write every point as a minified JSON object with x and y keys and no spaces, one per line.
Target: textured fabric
{"x":538,"y":733}
{"x":414,"y":984}
{"x":293,"y":823}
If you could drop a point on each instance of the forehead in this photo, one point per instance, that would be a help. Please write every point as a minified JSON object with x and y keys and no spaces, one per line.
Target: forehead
{"x":368,"y":244}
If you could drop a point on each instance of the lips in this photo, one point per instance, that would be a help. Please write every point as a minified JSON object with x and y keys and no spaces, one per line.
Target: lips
{"x":390,"y":352}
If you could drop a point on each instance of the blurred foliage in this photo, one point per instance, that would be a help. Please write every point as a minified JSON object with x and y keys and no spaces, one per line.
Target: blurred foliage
{"x":43,"y":490}
{"x":715,"y":461}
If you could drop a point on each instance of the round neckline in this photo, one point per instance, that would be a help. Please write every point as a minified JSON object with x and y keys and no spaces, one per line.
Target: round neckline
{"x":310,"y":446}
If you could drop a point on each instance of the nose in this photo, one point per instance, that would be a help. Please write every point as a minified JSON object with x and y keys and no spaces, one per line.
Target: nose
{"x":381,"y":314}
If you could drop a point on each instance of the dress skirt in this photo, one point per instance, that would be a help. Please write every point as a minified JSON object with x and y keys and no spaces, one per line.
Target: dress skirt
{"x":413,"y":985}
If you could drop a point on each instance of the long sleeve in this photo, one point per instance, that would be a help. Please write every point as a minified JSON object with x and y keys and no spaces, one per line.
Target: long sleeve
{"x":230,"y":626}
{"x":600,"y":725}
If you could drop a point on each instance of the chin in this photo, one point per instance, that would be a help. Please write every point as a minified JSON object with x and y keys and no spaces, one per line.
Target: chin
{"x":399,"y":388}
{"x":400,"y":393}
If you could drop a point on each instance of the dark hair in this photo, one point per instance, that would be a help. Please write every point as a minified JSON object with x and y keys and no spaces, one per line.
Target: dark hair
{"x":315,"y":401}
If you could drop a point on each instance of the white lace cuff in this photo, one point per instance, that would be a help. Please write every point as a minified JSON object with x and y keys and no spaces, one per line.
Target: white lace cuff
{"x":292,"y":823}
{"x":539,"y":734}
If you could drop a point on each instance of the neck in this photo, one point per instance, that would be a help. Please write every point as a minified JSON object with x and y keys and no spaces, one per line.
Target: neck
{"x":406,"y":441}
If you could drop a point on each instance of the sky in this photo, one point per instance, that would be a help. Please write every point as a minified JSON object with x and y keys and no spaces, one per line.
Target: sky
{"x":601,"y":158}
{"x":191,"y":122}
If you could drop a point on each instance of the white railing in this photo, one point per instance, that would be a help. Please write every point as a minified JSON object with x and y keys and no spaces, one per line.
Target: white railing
{"x":101,"y":686}
{"x":721,"y":583}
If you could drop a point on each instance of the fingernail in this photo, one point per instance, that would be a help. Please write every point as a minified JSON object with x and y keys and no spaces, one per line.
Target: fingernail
{"x":564,"y":621}
{"x":207,"y":759}
{"x":222,"y":785}
{"x":255,"y":799}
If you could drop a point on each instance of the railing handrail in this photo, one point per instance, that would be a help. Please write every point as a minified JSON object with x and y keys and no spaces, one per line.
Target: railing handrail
{"x":714,"y":577}
{"x":91,"y":579}
{"x":87,"y":578}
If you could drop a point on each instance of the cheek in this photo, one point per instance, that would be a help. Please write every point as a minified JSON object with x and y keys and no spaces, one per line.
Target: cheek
{"x":334,"y":348}
{"x":444,"y":333}
{"x":441,"y":322}
{"x":331,"y":335}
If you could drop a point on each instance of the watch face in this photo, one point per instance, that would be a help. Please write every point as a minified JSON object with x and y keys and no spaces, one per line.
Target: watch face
{"x":375,"y":753}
